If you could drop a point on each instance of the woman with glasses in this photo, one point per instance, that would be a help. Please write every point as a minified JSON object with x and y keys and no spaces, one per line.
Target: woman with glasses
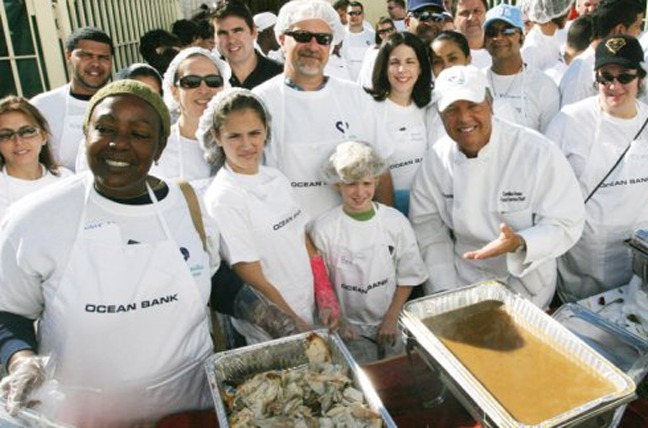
{"x":193,"y":78}
{"x":384,"y":28}
{"x":25,"y":158}
{"x":606,"y":142}
{"x":402,"y":90}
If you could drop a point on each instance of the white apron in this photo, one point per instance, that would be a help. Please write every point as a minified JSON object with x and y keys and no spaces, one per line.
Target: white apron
{"x":600,"y":261}
{"x":364,"y":278}
{"x":71,"y":136}
{"x":279,"y":229}
{"x":127,"y":331}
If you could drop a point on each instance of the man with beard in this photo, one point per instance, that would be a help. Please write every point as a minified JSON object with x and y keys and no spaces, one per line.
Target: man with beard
{"x":312,"y":113}
{"x":424,"y":19}
{"x":89,"y":53}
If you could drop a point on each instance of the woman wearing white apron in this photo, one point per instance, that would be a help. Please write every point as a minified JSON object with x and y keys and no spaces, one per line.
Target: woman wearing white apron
{"x":402,"y":90}
{"x":25,"y":157}
{"x":193,"y":78}
{"x":371,"y":254}
{"x":121,"y":298}
{"x":606,"y":142}
{"x":263,"y":227}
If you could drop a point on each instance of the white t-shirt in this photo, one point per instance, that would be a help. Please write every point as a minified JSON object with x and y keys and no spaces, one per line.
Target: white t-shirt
{"x":13,"y":189}
{"x":578,"y":81}
{"x":519,"y":178}
{"x":354,"y":47}
{"x":44,"y":228}
{"x":528,"y":98}
{"x":64,"y":115}
{"x":306,"y":128}
{"x":480,"y":58}
{"x":337,"y":67}
{"x":365,"y":76}
{"x":557,"y":71}
{"x":260,"y":220}
{"x":335,"y":231}
{"x":539,"y":50}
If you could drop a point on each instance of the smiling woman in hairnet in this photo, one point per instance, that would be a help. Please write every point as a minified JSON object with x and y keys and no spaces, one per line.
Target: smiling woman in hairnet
{"x":116,"y":273}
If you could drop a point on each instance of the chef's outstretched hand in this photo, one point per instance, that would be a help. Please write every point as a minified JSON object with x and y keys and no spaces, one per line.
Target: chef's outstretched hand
{"x":507,"y":242}
{"x":26,"y":374}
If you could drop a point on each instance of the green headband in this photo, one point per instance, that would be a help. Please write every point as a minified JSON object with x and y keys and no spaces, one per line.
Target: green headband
{"x":131,"y":87}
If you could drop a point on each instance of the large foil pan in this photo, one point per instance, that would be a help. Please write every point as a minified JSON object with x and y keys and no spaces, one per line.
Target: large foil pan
{"x":27,"y":418}
{"x":235,"y":366}
{"x":476,"y":398}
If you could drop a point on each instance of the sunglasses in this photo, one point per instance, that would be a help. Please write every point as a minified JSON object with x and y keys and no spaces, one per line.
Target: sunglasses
{"x":386,"y":30}
{"x":428,"y":16}
{"x":607,"y":78}
{"x":323,"y":39}
{"x":25,"y":133}
{"x":506,"y":31}
{"x":354,"y":13}
{"x":192,"y":82}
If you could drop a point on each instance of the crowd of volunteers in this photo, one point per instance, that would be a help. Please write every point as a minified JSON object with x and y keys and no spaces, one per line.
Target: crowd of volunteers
{"x":266,"y":175}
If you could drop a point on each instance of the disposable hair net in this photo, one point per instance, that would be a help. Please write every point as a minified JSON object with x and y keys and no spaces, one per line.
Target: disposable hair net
{"x":169,"y":75}
{"x":300,"y":10}
{"x":352,"y":161}
{"x":543,"y":11}
{"x":213,"y":154}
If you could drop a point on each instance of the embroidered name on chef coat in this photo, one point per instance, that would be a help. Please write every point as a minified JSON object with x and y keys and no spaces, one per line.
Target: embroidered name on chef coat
{"x":512,"y":196}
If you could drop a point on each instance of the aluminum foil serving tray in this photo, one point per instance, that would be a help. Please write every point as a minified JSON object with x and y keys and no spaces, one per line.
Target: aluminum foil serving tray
{"x":238,"y":365}
{"x":469,"y":390}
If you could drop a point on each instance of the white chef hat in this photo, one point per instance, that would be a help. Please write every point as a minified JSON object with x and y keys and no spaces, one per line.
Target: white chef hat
{"x":300,"y":10}
{"x":543,"y":11}
{"x":459,"y":83}
{"x":264,"y":20}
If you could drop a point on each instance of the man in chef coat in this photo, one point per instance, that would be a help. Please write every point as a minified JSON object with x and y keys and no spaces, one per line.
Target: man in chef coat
{"x":492,"y":199}
{"x":88,"y":52}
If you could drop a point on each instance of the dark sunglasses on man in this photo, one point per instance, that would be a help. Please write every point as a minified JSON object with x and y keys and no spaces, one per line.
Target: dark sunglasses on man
{"x":504,"y":31}
{"x":354,"y":13}
{"x":386,"y":30}
{"x":607,"y":78}
{"x":323,"y":39}
{"x":428,"y":16}
{"x":192,"y":81}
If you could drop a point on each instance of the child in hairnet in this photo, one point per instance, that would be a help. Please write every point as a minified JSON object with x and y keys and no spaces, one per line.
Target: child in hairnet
{"x":370,"y":252}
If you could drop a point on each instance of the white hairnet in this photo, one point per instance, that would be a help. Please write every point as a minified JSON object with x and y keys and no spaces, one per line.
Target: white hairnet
{"x":543,"y":11}
{"x":300,"y":10}
{"x":352,"y":161}
{"x":213,"y":153}
{"x":169,"y":75}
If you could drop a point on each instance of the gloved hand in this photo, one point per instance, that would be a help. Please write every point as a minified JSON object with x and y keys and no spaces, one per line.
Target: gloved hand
{"x":251,"y":306}
{"x":347,"y":331}
{"x":26,"y":374}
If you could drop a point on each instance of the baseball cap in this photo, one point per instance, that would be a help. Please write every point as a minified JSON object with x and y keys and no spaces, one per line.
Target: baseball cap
{"x":264,"y":20}
{"x":507,"y":13}
{"x":301,"y":10}
{"x":459,"y":83}
{"x":619,"y":49}
{"x":414,"y":5}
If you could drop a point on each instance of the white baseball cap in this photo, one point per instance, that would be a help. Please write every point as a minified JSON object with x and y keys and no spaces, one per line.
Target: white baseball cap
{"x":264,"y":20}
{"x":459,"y":83}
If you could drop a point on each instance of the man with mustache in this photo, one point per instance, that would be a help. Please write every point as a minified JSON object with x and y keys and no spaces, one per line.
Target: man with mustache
{"x":424,"y":19}
{"x":89,"y":53}
{"x":313,"y":112}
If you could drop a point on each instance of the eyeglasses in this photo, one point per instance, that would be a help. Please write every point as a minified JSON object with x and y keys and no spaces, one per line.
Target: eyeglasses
{"x":26,"y":133}
{"x":323,"y":39}
{"x":386,"y":30}
{"x":428,"y":16}
{"x":192,"y":81}
{"x":607,"y":78}
{"x":505,"y":31}
{"x":354,"y":13}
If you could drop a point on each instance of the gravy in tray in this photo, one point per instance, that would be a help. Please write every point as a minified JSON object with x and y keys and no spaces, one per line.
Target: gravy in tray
{"x":530,"y":379}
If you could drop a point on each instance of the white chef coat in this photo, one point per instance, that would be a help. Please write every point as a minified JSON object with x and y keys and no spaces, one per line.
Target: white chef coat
{"x":528,"y":98}
{"x":578,"y":81}
{"x":519,"y":178}
{"x":306,"y":128}
{"x":593,"y":141}
{"x":405,"y":128}
{"x":64,"y":114}
{"x":354,"y":47}
{"x":540,"y":50}
{"x":13,"y":189}
{"x":366,"y":260}
{"x":99,"y":284}
{"x":260,"y":220}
